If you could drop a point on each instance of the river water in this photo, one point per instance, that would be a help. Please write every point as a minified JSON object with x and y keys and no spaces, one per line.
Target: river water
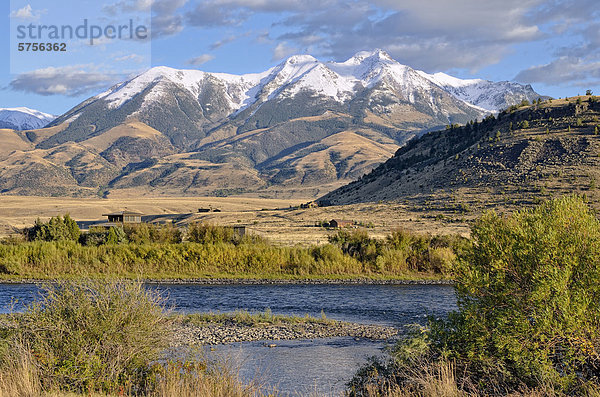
{"x":310,"y":367}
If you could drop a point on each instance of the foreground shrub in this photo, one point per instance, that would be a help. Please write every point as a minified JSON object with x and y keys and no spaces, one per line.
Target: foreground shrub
{"x":92,"y":336}
{"x":96,"y":338}
{"x":529,"y":308}
{"x":529,"y":296}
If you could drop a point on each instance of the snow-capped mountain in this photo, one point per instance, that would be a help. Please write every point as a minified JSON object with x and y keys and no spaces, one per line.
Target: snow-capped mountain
{"x":303,"y":124}
{"x":23,"y":118}
{"x":188,"y":105}
{"x":339,"y":81}
{"x":484,"y":94}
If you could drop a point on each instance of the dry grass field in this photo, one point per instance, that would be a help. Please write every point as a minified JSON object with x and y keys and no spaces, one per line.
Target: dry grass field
{"x":281,"y":221}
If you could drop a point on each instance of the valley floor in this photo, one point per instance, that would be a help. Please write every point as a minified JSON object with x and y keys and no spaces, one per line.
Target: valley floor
{"x":280,"y":221}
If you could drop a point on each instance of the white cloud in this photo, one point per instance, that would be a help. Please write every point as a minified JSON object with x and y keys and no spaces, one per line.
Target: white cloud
{"x":432,"y":35}
{"x":131,"y":57}
{"x":165,"y":20}
{"x":228,"y":39}
{"x":282,"y":50}
{"x":69,"y":80}
{"x":562,"y":71}
{"x":199,"y":60}
{"x":27,"y":12}
{"x":126,"y":6}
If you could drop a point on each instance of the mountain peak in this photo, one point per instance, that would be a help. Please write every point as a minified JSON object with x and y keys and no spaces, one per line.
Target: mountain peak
{"x":300,"y":58}
{"x":22,"y":118}
{"x":337,"y":82}
{"x":377,"y":55}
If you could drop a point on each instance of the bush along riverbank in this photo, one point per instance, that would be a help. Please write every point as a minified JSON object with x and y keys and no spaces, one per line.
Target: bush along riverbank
{"x":57,"y":249}
{"x":528,"y":319}
{"x":97,"y":338}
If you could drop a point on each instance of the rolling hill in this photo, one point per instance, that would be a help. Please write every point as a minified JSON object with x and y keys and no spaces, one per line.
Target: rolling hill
{"x":520,"y":156}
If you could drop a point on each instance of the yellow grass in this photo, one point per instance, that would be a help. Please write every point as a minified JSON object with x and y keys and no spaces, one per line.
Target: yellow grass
{"x":270,"y":218}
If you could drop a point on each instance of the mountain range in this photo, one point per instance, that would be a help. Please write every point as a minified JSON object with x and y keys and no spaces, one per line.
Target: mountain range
{"x":301,"y":127}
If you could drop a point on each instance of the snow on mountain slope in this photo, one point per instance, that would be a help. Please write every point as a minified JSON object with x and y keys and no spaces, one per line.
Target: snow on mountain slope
{"x":23,"y":118}
{"x":237,"y":87}
{"x":484,"y":94}
{"x":302,"y":73}
{"x":210,"y":97}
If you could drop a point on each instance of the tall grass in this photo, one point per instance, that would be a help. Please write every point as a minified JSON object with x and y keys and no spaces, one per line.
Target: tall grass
{"x":351,"y":254}
{"x":93,"y":335}
{"x":20,"y":378}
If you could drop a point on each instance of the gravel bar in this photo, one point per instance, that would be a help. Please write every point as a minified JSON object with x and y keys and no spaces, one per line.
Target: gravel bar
{"x":225,"y":333}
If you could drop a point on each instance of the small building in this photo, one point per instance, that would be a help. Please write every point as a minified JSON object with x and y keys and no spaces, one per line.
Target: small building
{"x":239,"y":231}
{"x":337,"y":223}
{"x":124,"y":217}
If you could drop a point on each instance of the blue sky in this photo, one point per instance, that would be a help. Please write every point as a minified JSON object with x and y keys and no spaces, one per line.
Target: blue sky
{"x":552,"y":45}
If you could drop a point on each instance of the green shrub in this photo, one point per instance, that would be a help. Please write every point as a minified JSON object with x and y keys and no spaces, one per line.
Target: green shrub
{"x":56,"y":229}
{"x":357,"y":244}
{"x":392,"y":261}
{"x":529,"y":298}
{"x":144,"y":233}
{"x":528,"y":314}
{"x":116,"y":235}
{"x":93,"y":336}
{"x":94,"y":237}
{"x":206,"y":233}
{"x":441,"y":260}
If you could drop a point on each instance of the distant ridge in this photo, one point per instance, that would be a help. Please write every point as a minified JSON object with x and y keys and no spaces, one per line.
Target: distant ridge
{"x":24,"y":118}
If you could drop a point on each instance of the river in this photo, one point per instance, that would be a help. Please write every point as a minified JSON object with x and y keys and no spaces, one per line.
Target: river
{"x":320,"y":367}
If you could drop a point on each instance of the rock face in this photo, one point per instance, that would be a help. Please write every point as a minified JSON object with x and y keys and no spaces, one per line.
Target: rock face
{"x":303,"y":124}
{"x":514,"y":159}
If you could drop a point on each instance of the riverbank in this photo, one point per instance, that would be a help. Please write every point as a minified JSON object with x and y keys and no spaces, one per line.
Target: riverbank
{"x":226,"y":329}
{"x":265,"y":281}
{"x":210,"y":252}
{"x":217,"y":329}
